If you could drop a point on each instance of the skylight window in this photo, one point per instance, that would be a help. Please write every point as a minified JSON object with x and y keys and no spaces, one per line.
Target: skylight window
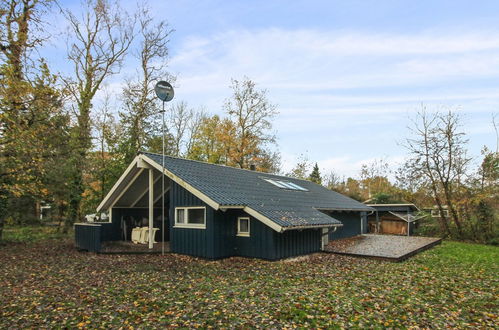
{"x":286,"y":185}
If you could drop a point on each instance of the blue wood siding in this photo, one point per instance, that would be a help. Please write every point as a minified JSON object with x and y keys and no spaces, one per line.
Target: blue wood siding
{"x":260,"y":243}
{"x":88,"y":237}
{"x":351,"y":225}
{"x":297,"y":242}
{"x":363,"y":215}
{"x":220,"y":240}
{"x":196,"y":242}
{"x":263,"y":242}
{"x":225,"y":227}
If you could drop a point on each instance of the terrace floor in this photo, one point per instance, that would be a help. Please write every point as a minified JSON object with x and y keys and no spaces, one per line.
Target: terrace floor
{"x":388,"y":247}
{"x":127,"y":247}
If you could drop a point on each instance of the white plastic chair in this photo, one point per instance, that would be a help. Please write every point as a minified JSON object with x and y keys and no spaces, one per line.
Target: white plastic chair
{"x":154,"y":230}
{"x":136,"y":235}
{"x":144,"y":237}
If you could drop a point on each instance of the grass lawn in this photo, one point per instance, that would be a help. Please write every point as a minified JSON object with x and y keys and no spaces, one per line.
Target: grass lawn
{"x":47,"y":283}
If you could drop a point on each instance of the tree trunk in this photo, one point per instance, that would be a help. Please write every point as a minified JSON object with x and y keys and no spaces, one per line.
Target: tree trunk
{"x":453,"y":212}
{"x":2,"y":221}
{"x":3,"y":212}
{"x":76,"y":193}
{"x":442,"y":220}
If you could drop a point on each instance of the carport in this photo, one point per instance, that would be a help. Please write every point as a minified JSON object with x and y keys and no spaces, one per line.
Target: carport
{"x":135,"y":201}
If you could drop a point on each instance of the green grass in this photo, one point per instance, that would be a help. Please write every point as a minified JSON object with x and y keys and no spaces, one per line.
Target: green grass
{"x":49,"y":284}
{"x":32,"y":234}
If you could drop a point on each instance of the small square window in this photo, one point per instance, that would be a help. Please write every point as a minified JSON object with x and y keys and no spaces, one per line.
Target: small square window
{"x":243,"y":227}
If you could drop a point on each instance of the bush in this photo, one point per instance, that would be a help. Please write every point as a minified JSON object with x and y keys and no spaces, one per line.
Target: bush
{"x":428,"y":227}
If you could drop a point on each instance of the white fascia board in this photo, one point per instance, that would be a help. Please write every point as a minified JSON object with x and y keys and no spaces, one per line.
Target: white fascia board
{"x":263,"y":219}
{"x":142,"y":164}
{"x":182,"y":183}
{"x":117,"y":184}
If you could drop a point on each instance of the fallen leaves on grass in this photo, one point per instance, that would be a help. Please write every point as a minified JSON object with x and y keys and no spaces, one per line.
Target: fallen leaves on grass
{"x":49,"y":284}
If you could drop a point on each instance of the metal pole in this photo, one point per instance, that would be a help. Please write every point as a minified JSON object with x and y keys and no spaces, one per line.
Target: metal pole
{"x":163,"y":184}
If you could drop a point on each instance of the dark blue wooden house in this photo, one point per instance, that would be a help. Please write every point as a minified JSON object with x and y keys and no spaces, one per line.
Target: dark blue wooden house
{"x":215,"y":211}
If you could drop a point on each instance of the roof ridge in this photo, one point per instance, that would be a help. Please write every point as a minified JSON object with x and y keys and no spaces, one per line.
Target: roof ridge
{"x":223,"y":166}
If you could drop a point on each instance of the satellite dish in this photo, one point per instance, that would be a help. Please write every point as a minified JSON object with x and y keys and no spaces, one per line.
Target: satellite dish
{"x":164,"y":91}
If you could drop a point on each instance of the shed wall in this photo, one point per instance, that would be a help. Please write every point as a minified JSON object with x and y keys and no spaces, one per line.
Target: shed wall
{"x":351,"y":224}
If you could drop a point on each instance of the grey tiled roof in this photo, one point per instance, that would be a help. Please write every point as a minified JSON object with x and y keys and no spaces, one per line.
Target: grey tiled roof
{"x":229,"y":186}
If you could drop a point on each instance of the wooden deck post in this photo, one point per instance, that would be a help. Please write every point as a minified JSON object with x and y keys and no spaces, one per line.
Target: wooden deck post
{"x":377,"y":222}
{"x":151,"y":206}
{"x":408,"y":224}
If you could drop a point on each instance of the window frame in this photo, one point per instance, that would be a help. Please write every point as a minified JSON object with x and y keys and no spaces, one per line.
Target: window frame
{"x":186,"y":224}
{"x":286,"y":185}
{"x":239,"y":232}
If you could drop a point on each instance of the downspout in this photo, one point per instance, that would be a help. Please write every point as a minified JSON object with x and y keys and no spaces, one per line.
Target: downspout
{"x":361,"y":224}
{"x":330,"y":231}
{"x":326,"y":234}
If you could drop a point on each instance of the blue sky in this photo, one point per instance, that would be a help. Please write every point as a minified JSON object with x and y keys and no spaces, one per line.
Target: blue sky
{"x":347,"y":76}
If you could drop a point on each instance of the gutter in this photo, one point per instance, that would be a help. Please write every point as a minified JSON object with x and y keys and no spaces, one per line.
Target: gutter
{"x":367,"y":209}
{"x":335,"y":226}
{"x":330,"y":231}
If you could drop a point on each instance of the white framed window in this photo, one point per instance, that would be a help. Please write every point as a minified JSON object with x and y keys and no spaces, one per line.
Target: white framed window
{"x":190,"y":217}
{"x":243,"y":226}
{"x":288,"y":185}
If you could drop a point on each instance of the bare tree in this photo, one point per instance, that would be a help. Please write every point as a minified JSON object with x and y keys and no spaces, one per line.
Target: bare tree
{"x":374,"y":177}
{"x":139,"y":97}
{"x":438,"y":154}
{"x":106,"y":129}
{"x":180,"y":116}
{"x":251,"y":112}
{"x":193,"y":129}
{"x":98,"y":40}
{"x":18,"y":20}
{"x":184,"y":123}
{"x":301,"y":169}
{"x":333,"y":181}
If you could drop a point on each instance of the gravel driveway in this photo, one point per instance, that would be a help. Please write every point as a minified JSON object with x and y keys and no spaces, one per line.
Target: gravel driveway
{"x":382,"y":246}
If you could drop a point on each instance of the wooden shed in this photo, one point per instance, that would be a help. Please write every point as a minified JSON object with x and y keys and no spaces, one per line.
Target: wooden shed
{"x":394,"y":219}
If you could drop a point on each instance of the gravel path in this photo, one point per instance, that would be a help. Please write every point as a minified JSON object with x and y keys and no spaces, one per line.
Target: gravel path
{"x":386,"y":246}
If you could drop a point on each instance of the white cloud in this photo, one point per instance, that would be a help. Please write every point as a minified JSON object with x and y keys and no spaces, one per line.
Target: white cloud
{"x":316,"y":67}
{"x":344,"y":96}
{"x":342,"y":92}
